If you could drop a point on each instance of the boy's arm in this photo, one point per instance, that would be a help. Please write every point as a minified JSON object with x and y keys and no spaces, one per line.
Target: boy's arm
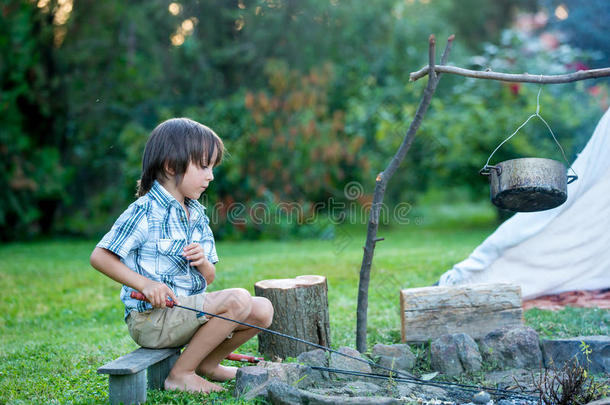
{"x":196,"y":255}
{"x":109,"y":264}
{"x":207,"y":270}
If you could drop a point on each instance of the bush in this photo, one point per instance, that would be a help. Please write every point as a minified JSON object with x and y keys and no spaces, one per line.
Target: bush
{"x":289,"y":145}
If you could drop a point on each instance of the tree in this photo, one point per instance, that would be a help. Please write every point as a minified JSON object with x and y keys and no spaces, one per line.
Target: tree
{"x":33,"y":141}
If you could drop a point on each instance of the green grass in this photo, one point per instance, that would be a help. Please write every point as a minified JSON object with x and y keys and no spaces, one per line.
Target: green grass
{"x":569,"y":322}
{"x":60,"y":319}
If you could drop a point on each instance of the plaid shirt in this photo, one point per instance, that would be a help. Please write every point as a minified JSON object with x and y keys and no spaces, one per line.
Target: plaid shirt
{"x":149,"y":237}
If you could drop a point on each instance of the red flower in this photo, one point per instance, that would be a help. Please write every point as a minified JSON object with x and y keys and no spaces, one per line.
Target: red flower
{"x":577,"y":66}
{"x":514,"y":88}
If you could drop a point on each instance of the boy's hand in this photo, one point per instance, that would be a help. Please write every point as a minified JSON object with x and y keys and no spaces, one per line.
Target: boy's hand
{"x":195,"y":254}
{"x":157,"y":293}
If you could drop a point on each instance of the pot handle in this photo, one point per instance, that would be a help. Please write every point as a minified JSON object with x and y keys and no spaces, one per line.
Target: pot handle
{"x":572,"y":178}
{"x":486,"y":170}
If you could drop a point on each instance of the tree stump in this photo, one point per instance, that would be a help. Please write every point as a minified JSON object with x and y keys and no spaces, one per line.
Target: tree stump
{"x":300,"y":309}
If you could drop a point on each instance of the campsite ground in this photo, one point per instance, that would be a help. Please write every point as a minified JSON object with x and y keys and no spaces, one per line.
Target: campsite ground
{"x":61,"y":320}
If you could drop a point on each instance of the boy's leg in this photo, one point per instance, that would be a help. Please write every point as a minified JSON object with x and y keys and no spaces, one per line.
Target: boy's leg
{"x":260,"y":315}
{"x":233,"y":303}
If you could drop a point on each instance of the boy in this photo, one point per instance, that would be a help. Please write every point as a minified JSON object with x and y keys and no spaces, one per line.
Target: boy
{"x":162,"y":246}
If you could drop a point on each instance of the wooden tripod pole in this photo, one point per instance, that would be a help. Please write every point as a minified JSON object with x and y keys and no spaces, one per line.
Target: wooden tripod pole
{"x":380,"y":186}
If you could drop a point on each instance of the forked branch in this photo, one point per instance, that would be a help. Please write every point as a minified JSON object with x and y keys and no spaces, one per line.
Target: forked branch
{"x":509,"y":77}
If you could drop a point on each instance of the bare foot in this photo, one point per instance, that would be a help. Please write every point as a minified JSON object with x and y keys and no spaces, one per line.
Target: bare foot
{"x":190,"y":382}
{"x":221,"y":373}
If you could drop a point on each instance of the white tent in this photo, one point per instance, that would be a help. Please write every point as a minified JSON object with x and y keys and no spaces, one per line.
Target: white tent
{"x":563,"y":249}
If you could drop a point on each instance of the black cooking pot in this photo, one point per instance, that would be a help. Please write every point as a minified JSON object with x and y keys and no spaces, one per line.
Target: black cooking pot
{"x":528,"y":184}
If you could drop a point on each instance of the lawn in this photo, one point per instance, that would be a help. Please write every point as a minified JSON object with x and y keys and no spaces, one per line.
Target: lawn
{"x":61,"y":319}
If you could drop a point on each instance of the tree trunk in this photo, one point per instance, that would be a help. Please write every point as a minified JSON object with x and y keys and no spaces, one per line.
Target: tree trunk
{"x":301,"y":310}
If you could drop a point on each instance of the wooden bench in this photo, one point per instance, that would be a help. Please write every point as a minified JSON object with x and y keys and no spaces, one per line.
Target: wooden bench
{"x":131,"y":375}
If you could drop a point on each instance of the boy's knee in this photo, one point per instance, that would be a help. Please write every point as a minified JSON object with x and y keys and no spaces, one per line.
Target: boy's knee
{"x":239,"y":302}
{"x":266,"y":312}
{"x":262,"y":312}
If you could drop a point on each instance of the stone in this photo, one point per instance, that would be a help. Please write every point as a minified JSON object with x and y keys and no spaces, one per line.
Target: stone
{"x":249,"y":378}
{"x":320,"y":399}
{"x":397,"y":350}
{"x":559,"y":351}
{"x":344,"y":363}
{"x":468,"y":352}
{"x":361,"y":388}
{"x":454,"y":354}
{"x":406,"y":390}
{"x":280,"y":393}
{"x":297,"y":375}
{"x":395,"y":357}
{"x":316,"y":358}
{"x":351,"y":389}
{"x":512,"y":348}
{"x":259,"y":392}
{"x":444,"y":356}
{"x":481,"y":398}
{"x":506,"y":379}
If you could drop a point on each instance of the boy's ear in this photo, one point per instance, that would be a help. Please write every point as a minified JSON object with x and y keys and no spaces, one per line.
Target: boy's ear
{"x":168,"y":170}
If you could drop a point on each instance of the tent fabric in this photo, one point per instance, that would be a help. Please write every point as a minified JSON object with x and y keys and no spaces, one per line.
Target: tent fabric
{"x":563,"y":249}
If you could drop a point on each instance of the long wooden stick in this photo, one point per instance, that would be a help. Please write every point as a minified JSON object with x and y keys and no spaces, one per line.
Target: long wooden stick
{"x":509,"y":77}
{"x":380,"y":186}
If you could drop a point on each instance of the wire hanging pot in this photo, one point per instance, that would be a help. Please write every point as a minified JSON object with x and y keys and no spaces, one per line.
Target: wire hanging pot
{"x":528,"y":184}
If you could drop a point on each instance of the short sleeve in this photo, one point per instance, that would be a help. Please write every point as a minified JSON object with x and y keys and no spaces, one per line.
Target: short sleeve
{"x":128,"y":233}
{"x":208,"y":243}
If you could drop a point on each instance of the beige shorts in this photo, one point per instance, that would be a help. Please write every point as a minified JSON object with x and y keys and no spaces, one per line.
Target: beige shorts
{"x":167,"y":327}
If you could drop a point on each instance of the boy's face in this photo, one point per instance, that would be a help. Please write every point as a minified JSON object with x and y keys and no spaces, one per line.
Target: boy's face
{"x":195,"y":181}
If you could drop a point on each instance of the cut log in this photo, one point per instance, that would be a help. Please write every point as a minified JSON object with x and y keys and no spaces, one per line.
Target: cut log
{"x":300,"y":309}
{"x":475,"y":309}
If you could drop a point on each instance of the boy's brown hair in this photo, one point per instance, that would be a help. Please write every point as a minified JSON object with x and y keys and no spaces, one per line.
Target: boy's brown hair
{"x":174,"y":144}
